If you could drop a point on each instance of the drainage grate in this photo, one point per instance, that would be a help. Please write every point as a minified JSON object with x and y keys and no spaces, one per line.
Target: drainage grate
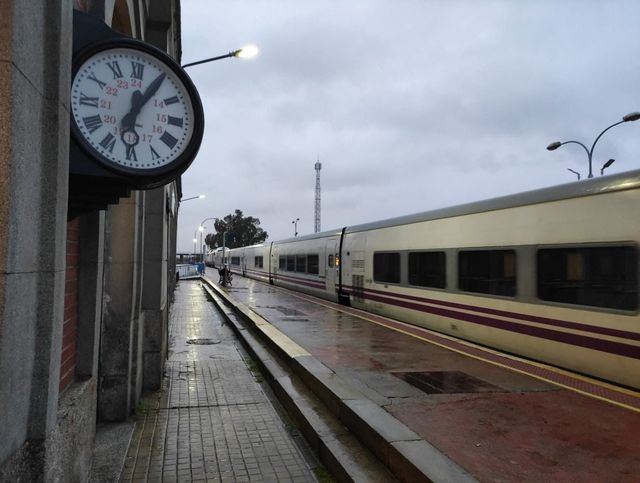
{"x":202,"y":341}
{"x":446,"y":382}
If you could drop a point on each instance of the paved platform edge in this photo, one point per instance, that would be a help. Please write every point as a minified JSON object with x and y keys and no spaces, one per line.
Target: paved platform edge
{"x":402,"y":451}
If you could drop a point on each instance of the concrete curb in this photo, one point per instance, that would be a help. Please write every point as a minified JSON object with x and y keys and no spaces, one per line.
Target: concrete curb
{"x":401,"y":450}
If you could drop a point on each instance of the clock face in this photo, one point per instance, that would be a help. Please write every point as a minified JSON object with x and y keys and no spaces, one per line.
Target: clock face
{"x":131,"y":110}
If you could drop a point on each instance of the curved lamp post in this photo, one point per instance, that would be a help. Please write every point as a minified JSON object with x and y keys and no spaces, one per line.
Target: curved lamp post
{"x":246,"y":52}
{"x":634,"y":116}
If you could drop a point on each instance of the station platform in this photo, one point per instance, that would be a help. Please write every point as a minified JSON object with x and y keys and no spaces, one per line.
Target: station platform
{"x":446,"y":409}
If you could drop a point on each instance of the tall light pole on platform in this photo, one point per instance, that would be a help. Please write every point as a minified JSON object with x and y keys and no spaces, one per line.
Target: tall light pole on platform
{"x":633,"y":116}
{"x":246,"y":52}
{"x":201,"y":228}
{"x":295,"y":226}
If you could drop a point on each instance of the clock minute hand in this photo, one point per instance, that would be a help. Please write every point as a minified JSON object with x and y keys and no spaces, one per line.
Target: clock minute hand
{"x":151,"y":90}
{"x":138,"y":100}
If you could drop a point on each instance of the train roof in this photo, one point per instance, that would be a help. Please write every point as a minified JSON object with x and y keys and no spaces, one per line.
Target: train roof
{"x":603,"y":184}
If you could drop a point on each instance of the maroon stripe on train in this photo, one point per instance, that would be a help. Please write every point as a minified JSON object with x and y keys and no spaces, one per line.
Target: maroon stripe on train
{"x":572,"y":339}
{"x":529,"y":318}
{"x":301,"y":281}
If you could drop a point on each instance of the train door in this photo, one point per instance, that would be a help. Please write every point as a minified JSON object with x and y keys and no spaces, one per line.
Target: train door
{"x":331,"y":263}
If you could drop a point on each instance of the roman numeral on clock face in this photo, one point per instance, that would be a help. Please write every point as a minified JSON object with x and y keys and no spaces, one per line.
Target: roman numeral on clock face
{"x":171,"y":100}
{"x":115,"y":68}
{"x":174,"y":121}
{"x":168,"y":139}
{"x":131,"y":153}
{"x":92,"y":123}
{"x":108,"y":142}
{"x":97,"y":81}
{"x":88,"y":101}
{"x":137,"y":70}
{"x":154,"y":154}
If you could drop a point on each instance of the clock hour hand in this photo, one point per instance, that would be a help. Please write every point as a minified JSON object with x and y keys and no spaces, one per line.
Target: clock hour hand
{"x":129,"y":120}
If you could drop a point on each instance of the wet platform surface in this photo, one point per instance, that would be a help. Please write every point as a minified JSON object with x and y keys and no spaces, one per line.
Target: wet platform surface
{"x":496,"y":423}
{"x":212,"y":420}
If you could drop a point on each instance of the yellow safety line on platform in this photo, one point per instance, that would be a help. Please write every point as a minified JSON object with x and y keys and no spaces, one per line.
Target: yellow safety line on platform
{"x":595,"y":382}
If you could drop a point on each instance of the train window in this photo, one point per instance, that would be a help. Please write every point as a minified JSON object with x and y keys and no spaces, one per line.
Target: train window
{"x":235,"y":260}
{"x":282,"y":262}
{"x":330,"y":261}
{"x":258,"y":262}
{"x":427,"y":269}
{"x":386,"y":267}
{"x":291,"y":263}
{"x":312,"y":264}
{"x":487,"y":271}
{"x":596,"y":276}
{"x":301,"y":263}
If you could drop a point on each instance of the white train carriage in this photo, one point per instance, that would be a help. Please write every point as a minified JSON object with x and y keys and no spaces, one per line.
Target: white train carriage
{"x":550,"y":274}
{"x":308,"y":264}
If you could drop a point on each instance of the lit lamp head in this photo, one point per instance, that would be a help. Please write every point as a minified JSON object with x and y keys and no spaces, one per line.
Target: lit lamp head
{"x":246,"y":52}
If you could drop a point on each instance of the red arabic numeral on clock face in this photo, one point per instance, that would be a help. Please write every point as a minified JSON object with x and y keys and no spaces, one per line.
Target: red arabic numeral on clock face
{"x":112,"y":91}
{"x":109,"y":119}
{"x":158,"y":103}
{"x":105,"y":104}
{"x":122,"y":84}
{"x":147,"y":138}
{"x":157,"y":129}
{"x":136,"y":83}
{"x":161,"y":117}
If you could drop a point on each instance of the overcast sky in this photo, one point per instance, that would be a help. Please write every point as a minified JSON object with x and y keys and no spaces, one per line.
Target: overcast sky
{"x":410,"y":105}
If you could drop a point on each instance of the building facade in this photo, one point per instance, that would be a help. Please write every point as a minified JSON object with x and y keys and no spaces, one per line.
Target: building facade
{"x":84,"y":300}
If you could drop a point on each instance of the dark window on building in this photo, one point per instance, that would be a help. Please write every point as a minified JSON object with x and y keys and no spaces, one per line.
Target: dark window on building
{"x":291,"y":263}
{"x":301,"y":263}
{"x":595,"y":276}
{"x":258,"y":262}
{"x":282,"y":262}
{"x":488,"y":271}
{"x":427,"y":269}
{"x":312,"y":264}
{"x":386,"y":267}
{"x":330,"y":261}
{"x":235,"y":260}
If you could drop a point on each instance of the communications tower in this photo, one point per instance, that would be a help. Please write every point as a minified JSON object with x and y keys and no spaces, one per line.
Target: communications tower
{"x":318,"y":167}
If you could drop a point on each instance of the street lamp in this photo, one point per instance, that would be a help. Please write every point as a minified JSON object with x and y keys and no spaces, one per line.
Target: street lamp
{"x":199,"y":197}
{"x":574,"y":172}
{"x":633,"y":116}
{"x":606,"y":165}
{"x":295,"y":226}
{"x":246,"y":52}
{"x":201,"y":228}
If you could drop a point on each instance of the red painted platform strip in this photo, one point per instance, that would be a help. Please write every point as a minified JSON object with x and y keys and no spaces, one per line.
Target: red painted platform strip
{"x":627,"y":398}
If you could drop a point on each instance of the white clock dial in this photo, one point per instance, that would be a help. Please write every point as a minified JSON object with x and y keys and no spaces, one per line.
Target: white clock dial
{"x":132,"y":109}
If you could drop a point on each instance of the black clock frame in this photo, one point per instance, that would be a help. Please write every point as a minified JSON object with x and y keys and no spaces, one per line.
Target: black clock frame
{"x":150,"y":177}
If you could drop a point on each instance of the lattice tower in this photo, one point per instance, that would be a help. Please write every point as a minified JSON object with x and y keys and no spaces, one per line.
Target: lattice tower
{"x":316,"y":227}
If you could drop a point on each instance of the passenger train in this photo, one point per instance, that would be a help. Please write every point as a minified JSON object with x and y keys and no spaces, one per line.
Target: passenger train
{"x":550,"y":274}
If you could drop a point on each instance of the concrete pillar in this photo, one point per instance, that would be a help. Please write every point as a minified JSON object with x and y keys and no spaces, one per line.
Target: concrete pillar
{"x":120,"y":315}
{"x":35,"y":64}
{"x":154,"y":298}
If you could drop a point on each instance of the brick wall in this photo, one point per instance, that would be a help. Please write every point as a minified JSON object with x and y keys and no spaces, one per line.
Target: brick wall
{"x":70,"y":327}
